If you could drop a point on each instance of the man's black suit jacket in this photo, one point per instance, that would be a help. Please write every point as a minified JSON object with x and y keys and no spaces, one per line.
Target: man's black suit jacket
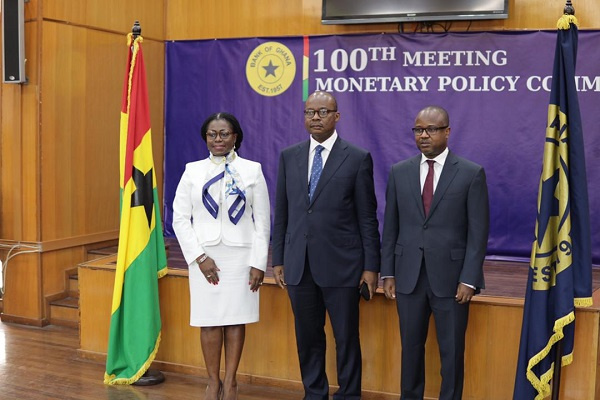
{"x":338,"y":229}
{"x":452,"y":239}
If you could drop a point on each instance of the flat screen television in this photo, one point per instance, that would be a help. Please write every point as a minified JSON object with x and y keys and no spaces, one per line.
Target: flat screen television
{"x":381,"y":11}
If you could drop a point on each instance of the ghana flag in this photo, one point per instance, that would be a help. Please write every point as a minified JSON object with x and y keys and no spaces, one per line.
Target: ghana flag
{"x":135,"y":320}
{"x":560,"y":276}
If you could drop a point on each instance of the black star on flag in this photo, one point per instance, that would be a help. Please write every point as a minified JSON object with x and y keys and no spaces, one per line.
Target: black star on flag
{"x":143,"y":194}
{"x":271,"y":69}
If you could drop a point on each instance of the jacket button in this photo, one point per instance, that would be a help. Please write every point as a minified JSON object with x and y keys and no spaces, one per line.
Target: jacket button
{"x":310,"y":211}
{"x":425,"y":226}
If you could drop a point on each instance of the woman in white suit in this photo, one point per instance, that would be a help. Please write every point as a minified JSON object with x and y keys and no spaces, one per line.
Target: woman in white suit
{"x":221,"y":219}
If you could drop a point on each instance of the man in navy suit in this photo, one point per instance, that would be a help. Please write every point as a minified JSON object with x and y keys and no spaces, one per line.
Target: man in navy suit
{"x":325,"y":245}
{"x":435,"y":234}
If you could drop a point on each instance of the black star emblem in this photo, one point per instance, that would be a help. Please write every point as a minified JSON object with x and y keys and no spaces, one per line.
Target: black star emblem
{"x":271,"y":69}
{"x":143,"y":193}
{"x":548,"y":205}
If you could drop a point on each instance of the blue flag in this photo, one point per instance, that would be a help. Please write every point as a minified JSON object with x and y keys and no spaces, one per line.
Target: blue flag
{"x":560,"y":273}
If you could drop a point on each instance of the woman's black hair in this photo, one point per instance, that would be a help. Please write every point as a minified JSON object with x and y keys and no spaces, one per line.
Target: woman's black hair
{"x":233,"y":122}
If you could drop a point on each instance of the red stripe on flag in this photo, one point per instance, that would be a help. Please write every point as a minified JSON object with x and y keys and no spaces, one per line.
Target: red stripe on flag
{"x":139,"y":116}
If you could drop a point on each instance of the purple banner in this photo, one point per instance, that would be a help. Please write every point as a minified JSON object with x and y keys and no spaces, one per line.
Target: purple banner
{"x":494,"y":85}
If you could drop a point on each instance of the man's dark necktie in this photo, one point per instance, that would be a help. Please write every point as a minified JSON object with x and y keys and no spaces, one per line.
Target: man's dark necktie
{"x":315,"y":173}
{"x":428,"y":188}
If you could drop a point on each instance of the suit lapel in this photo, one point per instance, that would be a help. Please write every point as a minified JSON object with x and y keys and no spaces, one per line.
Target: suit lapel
{"x":334,"y":160}
{"x":447,"y":176}
{"x":415,"y":182}
{"x":302,"y":162}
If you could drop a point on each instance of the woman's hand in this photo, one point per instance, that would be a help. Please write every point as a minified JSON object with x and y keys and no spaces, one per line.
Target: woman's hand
{"x":256,"y":278}
{"x":210,"y":271}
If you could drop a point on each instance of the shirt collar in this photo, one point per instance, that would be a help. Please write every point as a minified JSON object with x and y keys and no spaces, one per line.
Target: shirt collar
{"x":328,"y":144}
{"x":441,"y":158}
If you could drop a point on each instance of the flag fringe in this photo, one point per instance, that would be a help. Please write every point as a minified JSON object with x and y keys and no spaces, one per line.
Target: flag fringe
{"x":541,"y":384}
{"x":163,"y":272}
{"x":565,"y":22}
{"x":110,"y":379}
{"x":583,"y":302}
{"x":567,"y":359}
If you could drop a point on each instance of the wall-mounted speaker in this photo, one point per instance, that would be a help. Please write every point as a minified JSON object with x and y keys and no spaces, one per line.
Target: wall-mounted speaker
{"x":13,"y":41}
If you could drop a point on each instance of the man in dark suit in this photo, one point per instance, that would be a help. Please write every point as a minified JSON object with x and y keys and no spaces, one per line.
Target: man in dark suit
{"x":435,"y":235}
{"x":325,"y":244}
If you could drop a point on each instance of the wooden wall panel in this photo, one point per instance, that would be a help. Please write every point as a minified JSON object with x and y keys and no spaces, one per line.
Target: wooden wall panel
{"x":380,"y":345}
{"x":543,"y":14}
{"x":19,"y":169}
{"x":54,"y":266}
{"x":60,"y":138}
{"x":11,"y":217}
{"x":112,"y":15}
{"x":32,"y":10}
{"x":183,"y":342}
{"x":270,"y":355}
{"x":488,"y":358}
{"x":585,"y":355}
{"x":192,"y":19}
{"x":82,"y":81}
{"x":19,"y":150}
{"x":280,"y":339}
{"x":60,"y":135}
{"x":30,"y":135}
{"x":23,"y":302}
{"x":95,"y":288}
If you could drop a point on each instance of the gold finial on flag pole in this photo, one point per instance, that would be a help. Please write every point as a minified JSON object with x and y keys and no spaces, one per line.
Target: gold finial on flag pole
{"x":568,"y":17}
{"x":136,"y":34}
{"x":569,"y":9}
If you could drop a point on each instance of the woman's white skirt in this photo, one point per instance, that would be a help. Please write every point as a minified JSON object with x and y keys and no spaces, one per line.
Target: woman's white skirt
{"x":230,"y":302}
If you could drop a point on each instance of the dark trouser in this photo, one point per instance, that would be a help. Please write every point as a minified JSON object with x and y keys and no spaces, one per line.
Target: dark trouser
{"x":414,"y":311}
{"x":309,"y":303}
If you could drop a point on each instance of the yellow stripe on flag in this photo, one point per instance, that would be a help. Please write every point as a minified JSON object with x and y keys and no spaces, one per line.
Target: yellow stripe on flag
{"x":142,"y":156}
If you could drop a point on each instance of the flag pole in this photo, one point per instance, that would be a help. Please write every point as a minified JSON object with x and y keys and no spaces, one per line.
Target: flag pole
{"x":556,"y":372}
{"x":151,"y":376}
{"x":568,"y":10}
